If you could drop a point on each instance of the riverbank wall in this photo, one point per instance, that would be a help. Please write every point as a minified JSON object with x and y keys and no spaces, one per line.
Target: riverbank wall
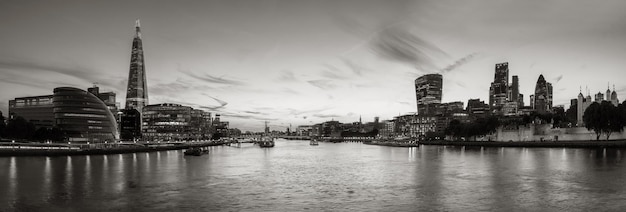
{"x":544,"y":132}
{"x":35,"y":149}
{"x":567,"y":144}
{"x":392,"y":144}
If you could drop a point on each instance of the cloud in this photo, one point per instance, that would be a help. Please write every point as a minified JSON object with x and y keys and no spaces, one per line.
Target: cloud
{"x":557,"y":79}
{"x":290,"y":91}
{"x":82,"y":73}
{"x":326,"y":115}
{"x":287,"y":76}
{"x":397,"y":43}
{"x":357,"y":69}
{"x":213,"y":79}
{"x":221,"y":102}
{"x":24,"y":83}
{"x":459,"y":63}
{"x":323,"y":84}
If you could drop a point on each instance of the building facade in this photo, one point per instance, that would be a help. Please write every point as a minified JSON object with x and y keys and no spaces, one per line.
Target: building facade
{"x":174,"y":122}
{"x":83,"y":116}
{"x":35,"y":109}
{"x":428,"y":91}
{"x":166,"y":122}
{"x":498,"y":92}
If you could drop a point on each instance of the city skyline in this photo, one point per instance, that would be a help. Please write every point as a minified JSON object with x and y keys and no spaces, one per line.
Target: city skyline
{"x":307,"y":62}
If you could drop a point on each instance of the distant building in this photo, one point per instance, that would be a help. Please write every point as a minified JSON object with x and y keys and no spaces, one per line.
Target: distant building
{"x":428,"y":91}
{"x":543,"y":96}
{"x":304,"y":130}
{"x":36,"y":109}
{"x":515,"y":95}
{"x":83,"y":116}
{"x":415,"y":125}
{"x":387,"y":129}
{"x":599,"y":97}
{"x":498,"y":92}
{"x":477,"y":108}
{"x":583,"y":103}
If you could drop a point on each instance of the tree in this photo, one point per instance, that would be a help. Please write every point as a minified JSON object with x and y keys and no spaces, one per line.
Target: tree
{"x":604,"y":118}
{"x":571,"y":115}
{"x":2,"y":125}
{"x":19,"y":128}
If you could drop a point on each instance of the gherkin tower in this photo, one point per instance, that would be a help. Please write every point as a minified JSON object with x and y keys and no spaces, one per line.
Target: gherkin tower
{"x":137,"y":92}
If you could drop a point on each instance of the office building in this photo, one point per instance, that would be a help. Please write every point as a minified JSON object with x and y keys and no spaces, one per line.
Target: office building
{"x":35,"y":109}
{"x":83,"y":116}
{"x":543,"y":96}
{"x":428,"y":91}
{"x":498,"y":92}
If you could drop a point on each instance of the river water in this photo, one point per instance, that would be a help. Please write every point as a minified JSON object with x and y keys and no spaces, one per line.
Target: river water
{"x":294,"y":176}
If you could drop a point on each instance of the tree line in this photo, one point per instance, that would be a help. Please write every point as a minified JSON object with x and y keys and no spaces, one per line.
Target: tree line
{"x":21,"y":129}
{"x":478,"y":127}
{"x":605,"y":118}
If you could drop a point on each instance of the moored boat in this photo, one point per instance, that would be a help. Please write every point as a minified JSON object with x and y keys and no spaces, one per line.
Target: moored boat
{"x":266,"y":142}
{"x":314,"y":142}
{"x":196,"y":151}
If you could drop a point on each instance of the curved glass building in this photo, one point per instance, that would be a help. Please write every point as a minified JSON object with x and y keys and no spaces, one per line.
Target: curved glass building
{"x":83,"y":116}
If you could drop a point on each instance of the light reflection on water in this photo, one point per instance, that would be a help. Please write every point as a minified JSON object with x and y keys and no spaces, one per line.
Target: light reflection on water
{"x":295,"y":176}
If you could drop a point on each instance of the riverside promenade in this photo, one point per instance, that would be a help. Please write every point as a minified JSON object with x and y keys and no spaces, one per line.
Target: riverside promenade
{"x":568,"y":144}
{"x":392,"y":144}
{"x":56,"y":149}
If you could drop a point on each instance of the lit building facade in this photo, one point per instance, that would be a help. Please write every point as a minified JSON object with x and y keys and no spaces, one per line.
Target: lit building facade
{"x":428,"y":91}
{"x":166,"y":122}
{"x":174,"y":122}
{"x":83,"y":116}
{"x":498,"y":92}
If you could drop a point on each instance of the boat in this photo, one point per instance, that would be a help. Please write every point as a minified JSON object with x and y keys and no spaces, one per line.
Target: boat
{"x":196,"y":151}
{"x":266,"y":142}
{"x":314,"y":142}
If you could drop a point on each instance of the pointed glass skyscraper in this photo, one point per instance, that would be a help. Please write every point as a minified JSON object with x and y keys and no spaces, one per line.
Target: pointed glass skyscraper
{"x":137,"y":92}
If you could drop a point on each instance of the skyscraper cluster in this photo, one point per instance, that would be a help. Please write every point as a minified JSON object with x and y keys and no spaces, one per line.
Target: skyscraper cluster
{"x":504,"y":98}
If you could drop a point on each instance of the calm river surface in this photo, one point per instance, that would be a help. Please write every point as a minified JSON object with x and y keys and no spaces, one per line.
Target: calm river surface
{"x":294,"y":176}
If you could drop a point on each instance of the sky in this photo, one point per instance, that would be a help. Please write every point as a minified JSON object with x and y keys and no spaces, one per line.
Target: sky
{"x":298,"y":62}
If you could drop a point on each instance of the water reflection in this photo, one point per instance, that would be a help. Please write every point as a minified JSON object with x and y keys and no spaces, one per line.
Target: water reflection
{"x":344,"y":176}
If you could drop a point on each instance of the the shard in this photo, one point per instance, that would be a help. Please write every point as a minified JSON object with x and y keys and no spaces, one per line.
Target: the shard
{"x":137,"y":92}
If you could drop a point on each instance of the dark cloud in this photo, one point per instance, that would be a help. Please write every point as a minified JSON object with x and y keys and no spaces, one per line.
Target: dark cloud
{"x":557,"y":79}
{"x":213,"y":79}
{"x":221,"y":102}
{"x":323,"y":84}
{"x":459,"y":63}
{"x":25,"y":83}
{"x":405,"y":103}
{"x":255,"y":112}
{"x":78,"y":72}
{"x":397,"y":43}
{"x":326,"y":115}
